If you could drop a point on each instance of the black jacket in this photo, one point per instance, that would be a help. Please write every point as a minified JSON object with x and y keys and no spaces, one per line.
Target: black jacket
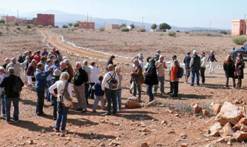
{"x":229,"y":69}
{"x":151,"y":77}
{"x":195,"y":63}
{"x":12,"y":86}
{"x":80,"y":77}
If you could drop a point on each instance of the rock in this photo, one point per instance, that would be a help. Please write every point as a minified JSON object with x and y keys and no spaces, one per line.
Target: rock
{"x":183,"y":136}
{"x":102,"y":145}
{"x":243,"y":121}
{"x":144,"y":145}
{"x":184,"y":145}
{"x":30,"y":142}
{"x":205,"y":112}
{"x":132,"y":104}
{"x":214,"y":129}
{"x":145,"y":130}
{"x":240,"y":136}
{"x":163,"y":122}
{"x":229,"y":113}
{"x":226,"y":130}
{"x":197,"y":109}
{"x":243,"y":128}
{"x":238,"y":101}
{"x":216,"y":108}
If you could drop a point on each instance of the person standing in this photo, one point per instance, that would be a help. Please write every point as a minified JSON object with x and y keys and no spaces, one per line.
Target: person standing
{"x":119,"y":87}
{"x":64,"y":101}
{"x":12,"y":86}
{"x":109,"y":85}
{"x":94,"y":74}
{"x":87,"y":86}
{"x":203,"y":67}
{"x":151,"y":79}
{"x":195,"y":65}
{"x":229,"y":69}
{"x":239,"y":70}
{"x":187,"y":59}
{"x":80,"y":80}
{"x":174,"y":78}
{"x":99,"y":95}
{"x":161,"y":66}
{"x":2,"y":97}
{"x":137,"y":79}
{"x":40,"y":85}
{"x":212,"y":59}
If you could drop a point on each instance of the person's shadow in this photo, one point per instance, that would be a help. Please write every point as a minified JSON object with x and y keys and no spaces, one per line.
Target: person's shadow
{"x":31,"y":126}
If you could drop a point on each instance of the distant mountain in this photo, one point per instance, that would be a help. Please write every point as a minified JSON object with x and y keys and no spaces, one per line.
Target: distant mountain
{"x":62,"y":18}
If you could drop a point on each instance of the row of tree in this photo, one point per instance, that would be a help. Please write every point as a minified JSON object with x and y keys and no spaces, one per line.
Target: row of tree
{"x":162,"y":27}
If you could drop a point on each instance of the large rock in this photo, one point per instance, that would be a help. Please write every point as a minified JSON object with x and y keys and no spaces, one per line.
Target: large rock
{"x":240,"y":136}
{"x":216,"y":108}
{"x":229,"y":113}
{"x":226,"y":130}
{"x":132,"y":104}
{"x":214,"y":130}
{"x":242,"y":122}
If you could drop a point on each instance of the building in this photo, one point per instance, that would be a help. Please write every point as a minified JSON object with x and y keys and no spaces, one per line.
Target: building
{"x":45,"y":19}
{"x":87,"y":25}
{"x":9,"y":19}
{"x":239,"y":27}
{"x":110,"y":27}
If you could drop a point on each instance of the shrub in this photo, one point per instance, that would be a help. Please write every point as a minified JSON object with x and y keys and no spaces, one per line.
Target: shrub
{"x":172,"y":34}
{"x":102,"y":29}
{"x":154,"y":26}
{"x":125,"y":30}
{"x":18,"y":28}
{"x":224,"y":32}
{"x":164,"y":26}
{"x":65,"y":26}
{"x":77,"y":24}
{"x":29,"y":27}
{"x":2,"y":21}
{"x":240,"y":40}
{"x":142,"y":30}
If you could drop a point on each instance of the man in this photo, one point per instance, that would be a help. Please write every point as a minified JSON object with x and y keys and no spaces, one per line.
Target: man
{"x":187,"y":59}
{"x":203,"y":66}
{"x":110,"y":85}
{"x":88,"y":70}
{"x":161,"y":66}
{"x":195,"y":65}
{"x":80,"y":80}
{"x":12,"y":86}
{"x":40,"y":85}
{"x":94,"y":77}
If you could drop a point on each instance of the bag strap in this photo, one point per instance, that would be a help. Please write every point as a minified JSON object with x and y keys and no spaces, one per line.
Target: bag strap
{"x":65,"y":88}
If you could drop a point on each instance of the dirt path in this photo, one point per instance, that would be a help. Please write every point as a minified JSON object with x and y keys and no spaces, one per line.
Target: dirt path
{"x":55,"y":40}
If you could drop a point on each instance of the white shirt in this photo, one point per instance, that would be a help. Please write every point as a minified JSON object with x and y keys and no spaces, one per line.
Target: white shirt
{"x":94,"y":74}
{"x":107,"y":77}
{"x":203,"y":61}
{"x":2,"y":76}
{"x":59,"y":85}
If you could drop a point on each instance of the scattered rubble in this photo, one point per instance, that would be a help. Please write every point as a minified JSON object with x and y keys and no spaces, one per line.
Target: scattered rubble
{"x":132,"y":103}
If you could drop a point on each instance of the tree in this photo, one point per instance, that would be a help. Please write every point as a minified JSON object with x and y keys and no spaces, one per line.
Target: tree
{"x":2,"y":21}
{"x":123,"y":25}
{"x":70,"y":25}
{"x":77,"y":24}
{"x":164,"y":26}
{"x":132,"y":26}
{"x":154,"y":26}
{"x":65,"y":26}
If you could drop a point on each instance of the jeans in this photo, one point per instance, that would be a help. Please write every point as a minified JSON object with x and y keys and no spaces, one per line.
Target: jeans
{"x":54,"y":103}
{"x":203,"y":74}
{"x":174,"y":88}
{"x":3,"y":105}
{"x":48,"y":95}
{"x":195,"y":74}
{"x":150,"y":92}
{"x":233,"y":81}
{"x":15,"y":102}
{"x":62,"y":117}
{"x":111,"y":96}
{"x":91,"y":90}
{"x":40,"y":102}
{"x":137,"y":88}
{"x":119,"y":99}
{"x":96,"y":101}
{"x":80,"y":95}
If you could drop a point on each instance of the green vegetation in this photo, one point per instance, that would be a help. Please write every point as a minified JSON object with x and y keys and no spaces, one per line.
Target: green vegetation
{"x":2,"y":21}
{"x":164,"y":27}
{"x":240,"y":40}
{"x":65,"y":26}
{"x":29,"y":27}
{"x":172,"y":34}
{"x":154,"y":26}
{"x":125,"y":29}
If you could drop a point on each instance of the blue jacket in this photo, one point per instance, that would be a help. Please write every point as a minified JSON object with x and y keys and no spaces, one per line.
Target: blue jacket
{"x":98,"y":90}
{"x":41,"y":82}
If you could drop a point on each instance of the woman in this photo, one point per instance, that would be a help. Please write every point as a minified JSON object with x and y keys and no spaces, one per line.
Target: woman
{"x":151,"y":79}
{"x":64,"y":101}
{"x":203,"y":67}
{"x":229,"y":69}
{"x":137,"y":79}
{"x":239,"y":70}
{"x":174,"y":79}
{"x":30,"y":73}
{"x":119,"y":87}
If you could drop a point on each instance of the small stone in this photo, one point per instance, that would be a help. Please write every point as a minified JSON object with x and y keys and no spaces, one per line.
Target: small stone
{"x":197,"y":109}
{"x":30,"y":142}
{"x":144,"y":145}
{"x":184,"y":145}
{"x":214,"y":129}
{"x":205,"y":113}
{"x":183,"y":136}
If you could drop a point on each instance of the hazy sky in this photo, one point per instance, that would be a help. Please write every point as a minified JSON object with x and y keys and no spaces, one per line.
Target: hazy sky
{"x":183,"y":13}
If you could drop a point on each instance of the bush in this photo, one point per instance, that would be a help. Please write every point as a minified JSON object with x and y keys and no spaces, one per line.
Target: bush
{"x":240,"y":40}
{"x":125,"y":30}
{"x":65,"y":26}
{"x":2,"y":21}
{"x":172,"y":34}
{"x":224,"y":32}
{"x":19,"y":29}
{"x":142,"y":30}
{"x":102,"y":29}
{"x":164,"y":26}
{"x":154,"y":26}
{"x":29,"y":27}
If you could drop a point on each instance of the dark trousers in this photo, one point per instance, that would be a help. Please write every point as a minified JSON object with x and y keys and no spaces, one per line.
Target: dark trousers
{"x":137,"y":89}
{"x":203,"y":74}
{"x":111,"y":96}
{"x":62,"y":117}
{"x":40,"y":102}
{"x":239,"y":83}
{"x":233,"y":81}
{"x":150,"y":92}
{"x":15,"y":102}
{"x":87,"y":94}
{"x":3,"y":105}
{"x":195,"y":74}
{"x":91,"y":90}
{"x":174,"y":89}
{"x":54,"y":104}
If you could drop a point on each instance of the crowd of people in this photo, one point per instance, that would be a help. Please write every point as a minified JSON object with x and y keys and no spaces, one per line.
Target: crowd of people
{"x":55,"y":79}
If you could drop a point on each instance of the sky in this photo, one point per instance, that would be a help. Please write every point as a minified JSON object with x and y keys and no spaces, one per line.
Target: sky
{"x":181,"y":13}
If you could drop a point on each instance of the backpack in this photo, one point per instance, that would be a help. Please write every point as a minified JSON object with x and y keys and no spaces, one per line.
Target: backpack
{"x":180,"y":72}
{"x":112,"y":82}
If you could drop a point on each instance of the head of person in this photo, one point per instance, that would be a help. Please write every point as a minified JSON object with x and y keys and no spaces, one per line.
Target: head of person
{"x":33,"y":63}
{"x":85,"y":63}
{"x":56,"y":73}
{"x":161,"y":59}
{"x":2,"y":70}
{"x":136,"y":62}
{"x":174,"y":57}
{"x":13,"y":60}
{"x":78,"y":65}
{"x":228,"y":58}
{"x":6,"y":60}
{"x":40,"y":66}
{"x":11,"y":71}
{"x":43,"y":59}
{"x":194,"y":52}
{"x":203,"y":54}
{"x":101,"y":78}
{"x":64,"y":76}
{"x":66,"y":61}
{"x":188,"y":54}
{"x":63,"y":65}
{"x":110,"y":67}
{"x":158,"y":52}
{"x":176,"y":63}
{"x":93,"y":64}
{"x":140,"y":56}
{"x":49,"y":62}
{"x":118,"y":69}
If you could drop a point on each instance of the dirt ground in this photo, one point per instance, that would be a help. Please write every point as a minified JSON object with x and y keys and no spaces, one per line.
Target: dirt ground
{"x":167,"y":124}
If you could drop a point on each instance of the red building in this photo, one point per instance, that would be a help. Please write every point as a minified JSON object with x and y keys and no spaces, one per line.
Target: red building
{"x":45,"y":19}
{"x":87,"y":25}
